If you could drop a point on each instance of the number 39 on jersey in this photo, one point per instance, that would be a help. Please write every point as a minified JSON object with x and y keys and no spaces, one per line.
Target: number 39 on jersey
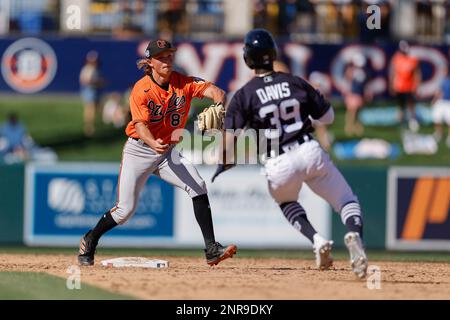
{"x":284,"y":117}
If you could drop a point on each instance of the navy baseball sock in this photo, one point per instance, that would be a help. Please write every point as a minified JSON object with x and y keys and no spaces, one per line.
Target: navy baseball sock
{"x":105,"y":224}
{"x":355,"y":224}
{"x":296,"y":216}
{"x":202,"y":211}
{"x":351,"y":217}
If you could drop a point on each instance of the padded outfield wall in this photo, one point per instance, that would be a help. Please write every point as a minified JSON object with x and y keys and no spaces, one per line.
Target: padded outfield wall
{"x":405,"y":208}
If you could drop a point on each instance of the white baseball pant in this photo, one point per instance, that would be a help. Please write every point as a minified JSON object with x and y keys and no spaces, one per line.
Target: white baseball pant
{"x":140,"y":161}
{"x":310,"y":164}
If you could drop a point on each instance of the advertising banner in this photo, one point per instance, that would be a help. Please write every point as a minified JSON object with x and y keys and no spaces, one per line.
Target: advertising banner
{"x":418,"y":208}
{"x":245,"y":214}
{"x":52,"y":65}
{"x":63,"y":201}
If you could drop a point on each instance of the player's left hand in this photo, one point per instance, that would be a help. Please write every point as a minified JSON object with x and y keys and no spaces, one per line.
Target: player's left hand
{"x":158,"y":145}
{"x":212,"y":117}
{"x":221,"y":168}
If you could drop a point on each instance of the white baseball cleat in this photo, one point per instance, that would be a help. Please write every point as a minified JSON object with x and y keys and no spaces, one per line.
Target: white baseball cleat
{"x":322,"y":250}
{"x":358,"y":258}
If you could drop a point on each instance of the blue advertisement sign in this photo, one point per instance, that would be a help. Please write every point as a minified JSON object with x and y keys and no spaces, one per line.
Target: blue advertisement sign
{"x":64,"y":201}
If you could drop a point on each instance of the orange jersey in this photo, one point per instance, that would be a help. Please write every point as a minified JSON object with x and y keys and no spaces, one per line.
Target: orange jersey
{"x":163,"y":111}
{"x":404,"y":67}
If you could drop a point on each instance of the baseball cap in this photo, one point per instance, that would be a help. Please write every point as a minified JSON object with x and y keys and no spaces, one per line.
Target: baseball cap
{"x":157,"y":46}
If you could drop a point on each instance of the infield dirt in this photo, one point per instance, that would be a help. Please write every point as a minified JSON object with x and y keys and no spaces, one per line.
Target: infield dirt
{"x":247,"y":278}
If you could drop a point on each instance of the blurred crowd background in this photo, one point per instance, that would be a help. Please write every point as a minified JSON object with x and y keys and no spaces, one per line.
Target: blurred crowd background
{"x":328,"y":42}
{"x":314,"y":21}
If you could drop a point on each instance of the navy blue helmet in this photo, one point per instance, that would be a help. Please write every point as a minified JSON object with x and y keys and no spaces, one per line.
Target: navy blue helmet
{"x":260,"y":49}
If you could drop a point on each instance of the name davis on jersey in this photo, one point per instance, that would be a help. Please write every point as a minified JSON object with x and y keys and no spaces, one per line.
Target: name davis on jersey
{"x":274,"y":92}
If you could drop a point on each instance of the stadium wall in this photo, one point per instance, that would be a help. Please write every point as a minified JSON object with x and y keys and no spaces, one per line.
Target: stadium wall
{"x":369,"y":184}
{"x":64,"y":200}
{"x":11,"y":203}
{"x":405,"y":208}
{"x":52,"y":65}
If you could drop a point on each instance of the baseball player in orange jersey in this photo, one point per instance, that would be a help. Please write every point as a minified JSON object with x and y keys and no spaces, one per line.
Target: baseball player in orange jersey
{"x":159,"y":104}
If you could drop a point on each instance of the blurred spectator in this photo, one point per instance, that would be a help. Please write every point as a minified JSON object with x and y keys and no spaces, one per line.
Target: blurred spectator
{"x":441,"y":110}
{"x":16,"y":145}
{"x":267,"y":13}
{"x":320,"y":20}
{"x":357,"y":75}
{"x":384,"y":34}
{"x":327,"y":18}
{"x":259,"y":14}
{"x":305,"y":17}
{"x":273,"y":11}
{"x":447,"y":22}
{"x":372,"y":35}
{"x":31,"y":16}
{"x":113,"y":111}
{"x":209,"y":6}
{"x":424,"y":18}
{"x":131,"y":17}
{"x":90,"y":84}
{"x":348,"y":14}
{"x":206,"y":16}
{"x":173,"y":17}
{"x":404,"y":79}
{"x":287,"y":15}
{"x":14,"y":139}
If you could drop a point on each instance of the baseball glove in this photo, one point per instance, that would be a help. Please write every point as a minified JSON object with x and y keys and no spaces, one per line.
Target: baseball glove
{"x":211,"y":117}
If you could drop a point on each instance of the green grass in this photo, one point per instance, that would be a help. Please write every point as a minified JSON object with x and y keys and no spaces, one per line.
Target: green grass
{"x":57,"y":122}
{"x":48,"y":118}
{"x":41,"y":286}
{"x":393,"y":135}
{"x":381,"y":255}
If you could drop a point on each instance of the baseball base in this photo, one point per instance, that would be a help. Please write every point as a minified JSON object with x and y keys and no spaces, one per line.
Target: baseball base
{"x":136,"y":262}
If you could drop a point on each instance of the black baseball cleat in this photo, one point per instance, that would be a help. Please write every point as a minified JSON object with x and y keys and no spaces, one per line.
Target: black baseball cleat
{"x":87,"y":250}
{"x":216,"y":253}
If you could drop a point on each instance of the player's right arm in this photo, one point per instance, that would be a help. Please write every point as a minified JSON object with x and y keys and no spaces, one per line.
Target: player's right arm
{"x":235,"y":118}
{"x":316,"y":105}
{"x":319,"y":109}
{"x":215,"y":93}
{"x":139,"y":117}
{"x":326,"y":118}
{"x":145,"y":135}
